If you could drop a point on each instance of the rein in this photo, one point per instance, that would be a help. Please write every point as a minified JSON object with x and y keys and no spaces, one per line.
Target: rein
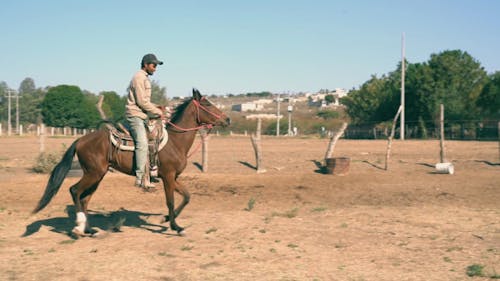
{"x":202,"y":126}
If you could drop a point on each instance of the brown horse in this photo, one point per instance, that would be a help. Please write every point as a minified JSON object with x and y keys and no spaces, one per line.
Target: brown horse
{"x":96,"y":154}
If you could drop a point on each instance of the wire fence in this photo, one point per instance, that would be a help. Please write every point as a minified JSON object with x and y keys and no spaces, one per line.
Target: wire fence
{"x":466,"y":130}
{"x":452,"y":130}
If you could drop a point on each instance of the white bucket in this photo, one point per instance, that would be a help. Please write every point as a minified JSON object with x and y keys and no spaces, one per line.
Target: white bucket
{"x":445,"y":168}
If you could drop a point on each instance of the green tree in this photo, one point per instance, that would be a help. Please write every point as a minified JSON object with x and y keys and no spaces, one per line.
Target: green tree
{"x":489,"y":99}
{"x":329,"y":98}
{"x":371,"y":102}
{"x":3,"y":101}
{"x":30,"y":102}
{"x":419,"y":94}
{"x":458,"y":80}
{"x":27,"y":86}
{"x":30,"y":107}
{"x":158,"y":94}
{"x":453,"y":78}
{"x":89,"y":114}
{"x":66,"y":105}
{"x":114,"y":106}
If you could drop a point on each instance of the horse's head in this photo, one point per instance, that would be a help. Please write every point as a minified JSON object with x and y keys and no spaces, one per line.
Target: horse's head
{"x":208,"y":113}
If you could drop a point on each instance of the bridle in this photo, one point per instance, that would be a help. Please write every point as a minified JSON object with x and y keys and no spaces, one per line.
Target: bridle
{"x":198,"y":106}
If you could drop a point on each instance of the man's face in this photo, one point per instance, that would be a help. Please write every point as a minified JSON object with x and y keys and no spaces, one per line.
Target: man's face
{"x":150,"y":68}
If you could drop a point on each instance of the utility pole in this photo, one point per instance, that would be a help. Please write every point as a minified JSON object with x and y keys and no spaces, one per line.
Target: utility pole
{"x":278,"y":117}
{"x":402,"y":137}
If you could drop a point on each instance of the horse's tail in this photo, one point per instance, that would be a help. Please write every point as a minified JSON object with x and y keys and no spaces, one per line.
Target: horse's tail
{"x":57,"y":177}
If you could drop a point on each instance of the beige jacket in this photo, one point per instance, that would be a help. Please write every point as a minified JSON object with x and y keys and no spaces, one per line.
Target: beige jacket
{"x":139,"y":97}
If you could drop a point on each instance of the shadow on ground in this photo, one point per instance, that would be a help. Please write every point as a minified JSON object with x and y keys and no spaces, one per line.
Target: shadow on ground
{"x":112,"y":221}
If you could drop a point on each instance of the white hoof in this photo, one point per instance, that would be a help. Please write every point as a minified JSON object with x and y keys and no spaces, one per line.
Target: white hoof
{"x":182,"y":233}
{"x":78,"y":233}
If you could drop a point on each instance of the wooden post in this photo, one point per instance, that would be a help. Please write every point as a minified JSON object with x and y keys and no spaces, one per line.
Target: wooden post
{"x":499,"y":142}
{"x":333,"y":141}
{"x":257,"y":147}
{"x":391,"y":136}
{"x":204,"y":151}
{"x":42,"y":138}
{"x":99,"y":108}
{"x":441,"y":122}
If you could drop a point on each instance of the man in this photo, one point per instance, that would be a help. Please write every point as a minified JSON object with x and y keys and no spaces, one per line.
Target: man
{"x":138,"y":109}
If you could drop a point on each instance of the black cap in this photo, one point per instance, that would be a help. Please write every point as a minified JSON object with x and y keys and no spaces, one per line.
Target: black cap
{"x":150,"y":58}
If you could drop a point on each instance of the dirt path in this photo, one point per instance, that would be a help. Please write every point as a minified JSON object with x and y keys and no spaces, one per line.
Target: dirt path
{"x":291,"y":223}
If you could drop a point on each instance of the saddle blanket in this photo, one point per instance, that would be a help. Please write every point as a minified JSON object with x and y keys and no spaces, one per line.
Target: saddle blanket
{"x":125,"y":142}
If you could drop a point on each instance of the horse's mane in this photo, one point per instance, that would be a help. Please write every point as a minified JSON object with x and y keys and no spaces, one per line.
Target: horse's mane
{"x":179,"y":110}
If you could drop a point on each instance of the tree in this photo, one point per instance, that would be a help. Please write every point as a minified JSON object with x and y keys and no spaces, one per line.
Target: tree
{"x":453,"y":78}
{"x":371,"y":101}
{"x":30,"y":107}
{"x":419,"y":95}
{"x":3,"y":100}
{"x":27,"y":86}
{"x":30,"y":103}
{"x":113,"y":106}
{"x":329,"y":98}
{"x":489,"y":99}
{"x":89,"y":114}
{"x":158,"y":94}
{"x":458,"y":80}
{"x":66,"y":105}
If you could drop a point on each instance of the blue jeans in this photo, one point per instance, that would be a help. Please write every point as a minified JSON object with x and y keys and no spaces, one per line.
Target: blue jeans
{"x":138,"y":131}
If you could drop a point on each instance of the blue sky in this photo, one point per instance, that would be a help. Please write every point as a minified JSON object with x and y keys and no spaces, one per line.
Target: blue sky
{"x":236,"y":46}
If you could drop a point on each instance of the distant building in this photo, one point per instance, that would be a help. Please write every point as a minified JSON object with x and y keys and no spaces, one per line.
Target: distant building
{"x":247,"y":106}
{"x":318,"y":99}
{"x":263,"y":101}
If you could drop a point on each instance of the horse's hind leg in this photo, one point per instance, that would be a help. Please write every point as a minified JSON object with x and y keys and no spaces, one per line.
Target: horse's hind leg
{"x":81,"y":192}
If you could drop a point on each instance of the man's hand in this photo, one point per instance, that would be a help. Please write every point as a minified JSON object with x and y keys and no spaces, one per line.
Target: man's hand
{"x":166,"y":113}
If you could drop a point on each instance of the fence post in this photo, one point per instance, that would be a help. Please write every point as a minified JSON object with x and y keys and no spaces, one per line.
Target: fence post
{"x":257,"y":147}
{"x":204,"y":151}
{"x":333,"y":141}
{"x":391,"y":136}
{"x":42,"y":138}
{"x":441,"y":142}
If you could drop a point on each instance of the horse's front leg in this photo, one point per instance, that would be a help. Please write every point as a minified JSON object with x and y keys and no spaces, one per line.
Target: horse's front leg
{"x":186,"y":196}
{"x":170,"y":185}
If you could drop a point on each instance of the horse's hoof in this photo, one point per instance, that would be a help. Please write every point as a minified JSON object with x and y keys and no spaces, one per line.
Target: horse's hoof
{"x":181,"y":233}
{"x":99,"y":234}
{"x":78,"y":233}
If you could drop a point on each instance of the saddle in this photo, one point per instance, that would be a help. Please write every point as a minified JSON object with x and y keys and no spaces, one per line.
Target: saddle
{"x":121,"y":140}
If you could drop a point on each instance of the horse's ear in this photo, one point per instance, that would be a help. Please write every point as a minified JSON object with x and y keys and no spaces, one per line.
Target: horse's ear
{"x":196,"y":94}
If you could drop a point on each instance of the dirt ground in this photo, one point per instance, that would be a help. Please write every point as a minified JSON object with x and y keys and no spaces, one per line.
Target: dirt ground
{"x":290,"y":223}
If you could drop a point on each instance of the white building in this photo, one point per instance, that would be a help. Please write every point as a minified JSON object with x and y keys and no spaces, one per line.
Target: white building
{"x":247,"y":106}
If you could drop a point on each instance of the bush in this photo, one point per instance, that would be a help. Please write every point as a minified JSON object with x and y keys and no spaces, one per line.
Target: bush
{"x":328,"y":114}
{"x":46,"y":161}
{"x":475,"y":270}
